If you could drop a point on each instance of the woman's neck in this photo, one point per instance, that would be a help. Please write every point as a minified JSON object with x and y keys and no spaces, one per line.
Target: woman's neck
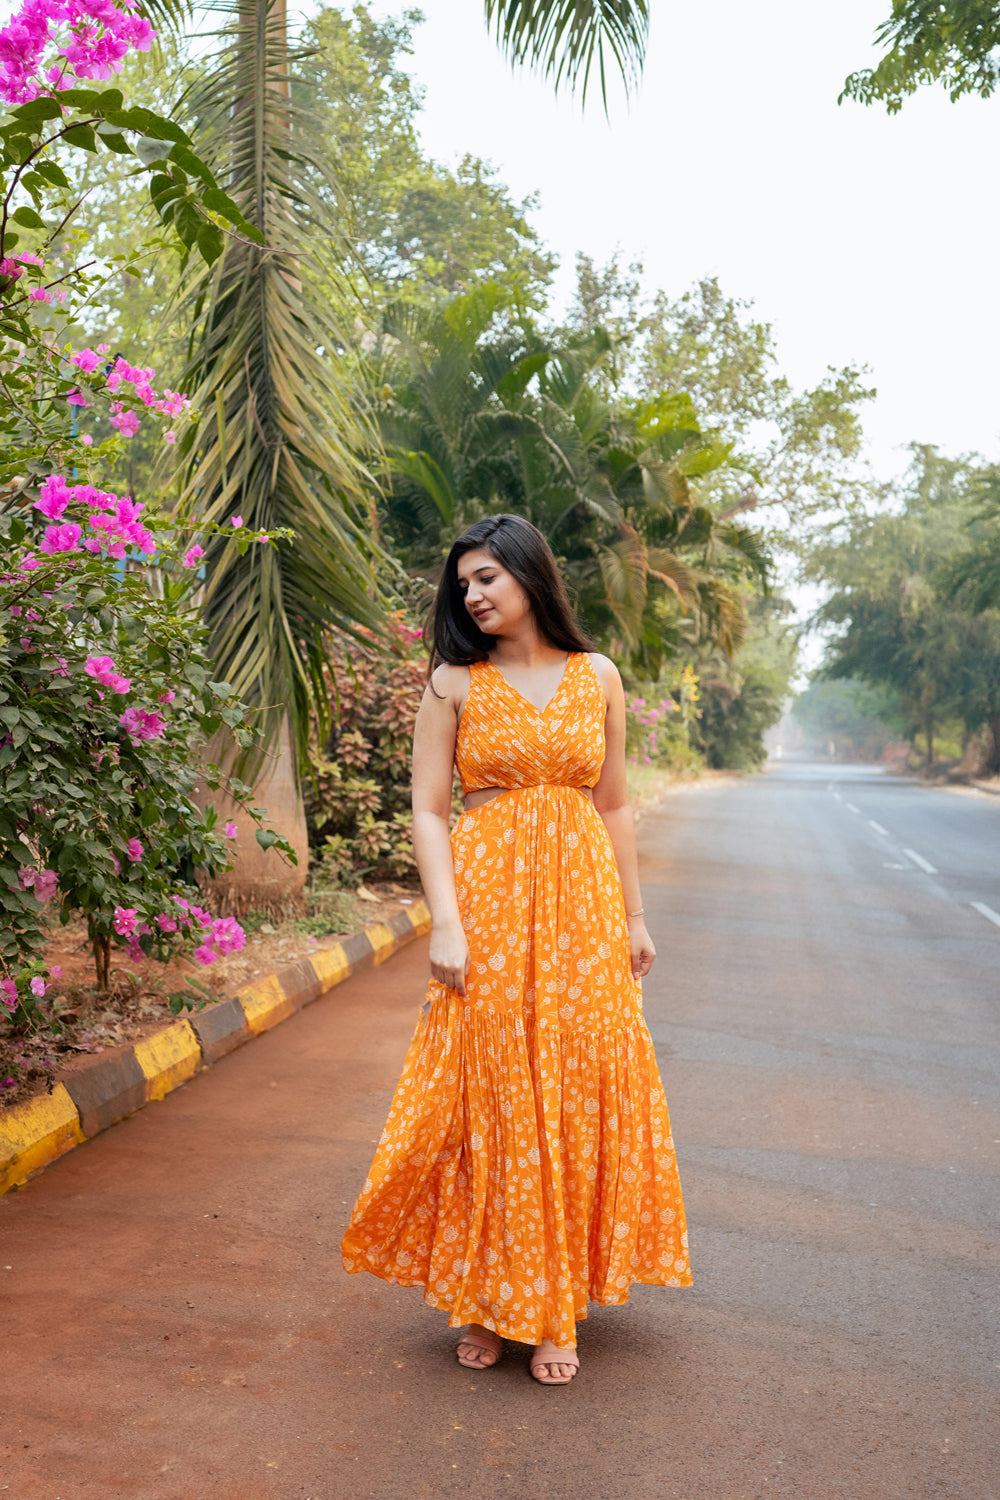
{"x":528,"y":648}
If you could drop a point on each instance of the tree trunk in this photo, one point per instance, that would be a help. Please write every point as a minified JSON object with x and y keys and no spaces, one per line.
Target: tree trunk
{"x":993,"y":764}
{"x":262,"y":879}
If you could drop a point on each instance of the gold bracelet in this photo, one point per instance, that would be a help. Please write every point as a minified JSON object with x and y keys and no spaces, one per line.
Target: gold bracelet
{"x":638,"y":913}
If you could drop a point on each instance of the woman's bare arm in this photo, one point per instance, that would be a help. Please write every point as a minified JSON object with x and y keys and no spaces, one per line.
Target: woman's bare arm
{"x":433,"y":773}
{"x":611,"y":802}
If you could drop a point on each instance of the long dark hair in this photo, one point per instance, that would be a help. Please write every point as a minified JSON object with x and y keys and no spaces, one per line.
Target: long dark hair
{"x":453,"y":635}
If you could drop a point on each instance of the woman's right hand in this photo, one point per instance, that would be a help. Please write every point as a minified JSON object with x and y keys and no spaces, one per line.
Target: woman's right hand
{"x":450,"y":957}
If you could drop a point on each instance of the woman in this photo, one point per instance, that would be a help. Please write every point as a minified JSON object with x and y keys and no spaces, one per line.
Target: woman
{"x":526,"y":1167}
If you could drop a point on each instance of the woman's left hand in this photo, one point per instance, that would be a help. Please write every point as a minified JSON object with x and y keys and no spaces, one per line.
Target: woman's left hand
{"x":640,"y":948}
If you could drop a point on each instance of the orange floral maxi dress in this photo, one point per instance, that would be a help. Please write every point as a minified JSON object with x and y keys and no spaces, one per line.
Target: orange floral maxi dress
{"x":527,"y":1166}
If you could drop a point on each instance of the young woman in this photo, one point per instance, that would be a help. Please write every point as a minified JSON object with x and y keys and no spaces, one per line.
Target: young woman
{"x":527,"y":1166}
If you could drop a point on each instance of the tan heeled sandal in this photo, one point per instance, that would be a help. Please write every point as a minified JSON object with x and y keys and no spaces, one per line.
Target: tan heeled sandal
{"x":547,"y":1355}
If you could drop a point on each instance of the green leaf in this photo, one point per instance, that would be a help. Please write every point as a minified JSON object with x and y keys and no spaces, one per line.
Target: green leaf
{"x":52,"y":173}
{"x":211,"y":242}
{"x":82,"y":136}
{"x":43,"y":108}
{"x":185,"y":157}
{"x":28,"y":217}
{"x":149,"y":149}
{"x":187,"y":222}
{"x":80,"y":98}
{"x":266,"y":838}
{"x":111,"y":137}
{"x":148,"y":123}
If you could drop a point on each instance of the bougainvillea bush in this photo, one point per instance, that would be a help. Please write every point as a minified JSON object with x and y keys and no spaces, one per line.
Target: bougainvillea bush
{"x":358,"y":796}
{"x":106,"y":694}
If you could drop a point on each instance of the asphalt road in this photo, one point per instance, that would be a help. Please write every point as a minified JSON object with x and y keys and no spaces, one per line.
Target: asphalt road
{"x":825,"y":1008}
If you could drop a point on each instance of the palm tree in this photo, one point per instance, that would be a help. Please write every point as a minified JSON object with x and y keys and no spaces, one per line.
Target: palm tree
{"x":279,"y":433}
{"x":279,"y":430}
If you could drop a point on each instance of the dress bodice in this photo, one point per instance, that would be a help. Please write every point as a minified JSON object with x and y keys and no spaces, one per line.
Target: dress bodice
{"x":505,"y":741}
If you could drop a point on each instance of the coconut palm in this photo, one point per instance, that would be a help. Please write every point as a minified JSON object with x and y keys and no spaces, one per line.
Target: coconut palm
{"x":279,"y":430}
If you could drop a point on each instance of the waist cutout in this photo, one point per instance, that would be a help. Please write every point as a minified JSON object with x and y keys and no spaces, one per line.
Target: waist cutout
{"x":481,"y":795}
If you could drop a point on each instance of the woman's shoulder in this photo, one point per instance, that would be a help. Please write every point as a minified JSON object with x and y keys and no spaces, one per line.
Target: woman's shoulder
{"x":450,"y":683}
{"x":605,"y":671}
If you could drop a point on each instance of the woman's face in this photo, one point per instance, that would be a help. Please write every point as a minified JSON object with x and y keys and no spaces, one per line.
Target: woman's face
{"x":493,"y":597}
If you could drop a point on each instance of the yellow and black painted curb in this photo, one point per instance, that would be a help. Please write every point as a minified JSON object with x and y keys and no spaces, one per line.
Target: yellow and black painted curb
{"x":85,"y":1102}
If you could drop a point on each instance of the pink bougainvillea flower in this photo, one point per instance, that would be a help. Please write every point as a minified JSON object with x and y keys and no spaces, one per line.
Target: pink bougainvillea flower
{"x":135,"y":851}
{"x":141,"y":724}
{"x":236,"y":520}
{"x":124,"y":920}
{"x":227,"y":935}
{"x":37,"y":986}
{"x":38,"y":294}
{"x":8,"y":994}
{"x":53,"y":497}
{"x":103,"y":669}
{"x":168,"y":696}
{"x":45,"y":885}
{"x":192,"y":556}
{"x":86,"y":360}
{"x":166,"y":924}
{"x":86,"y":439}
{"x":63,"y":538}
{"x":30,"y":563}
{"x":263,"y":537}
{"x":77,"y":398}
{"x":55,"y":972}
{"x":231,"y":831}
{"x":203,"y":954}
{"x":170,"y":437}
{"x":126,"y":421}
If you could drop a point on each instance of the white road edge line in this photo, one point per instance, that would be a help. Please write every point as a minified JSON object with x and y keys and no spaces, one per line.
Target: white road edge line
{"x":851,"y":808}
{"x":918,"y":859}
{"x":878,"y":827}
{"x":986,"y":911}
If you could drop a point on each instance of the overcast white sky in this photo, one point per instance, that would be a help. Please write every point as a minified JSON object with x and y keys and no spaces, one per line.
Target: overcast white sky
{"x":861,"y":237}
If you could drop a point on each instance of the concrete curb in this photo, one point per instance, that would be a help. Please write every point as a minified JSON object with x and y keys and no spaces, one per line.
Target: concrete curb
{"x":89,"y":1100}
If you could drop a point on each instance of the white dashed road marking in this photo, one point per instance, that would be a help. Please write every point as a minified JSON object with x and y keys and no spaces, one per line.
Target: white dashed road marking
{"x":918,"y":859}
{"x":878,"y":827}
{"x":987,"y":912}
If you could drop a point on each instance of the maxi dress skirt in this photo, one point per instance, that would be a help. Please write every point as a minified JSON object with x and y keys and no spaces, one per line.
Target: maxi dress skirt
{"x":527,"y":1166}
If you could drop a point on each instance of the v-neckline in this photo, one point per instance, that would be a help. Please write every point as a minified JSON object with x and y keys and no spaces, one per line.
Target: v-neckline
{"x":541,"y":712}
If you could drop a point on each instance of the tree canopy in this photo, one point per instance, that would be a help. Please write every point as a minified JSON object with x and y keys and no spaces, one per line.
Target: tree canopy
{"x":952,"y":42}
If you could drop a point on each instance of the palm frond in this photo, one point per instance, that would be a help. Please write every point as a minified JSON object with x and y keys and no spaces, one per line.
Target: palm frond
{"x":280,"y":430}
{"x":564,"y":39}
